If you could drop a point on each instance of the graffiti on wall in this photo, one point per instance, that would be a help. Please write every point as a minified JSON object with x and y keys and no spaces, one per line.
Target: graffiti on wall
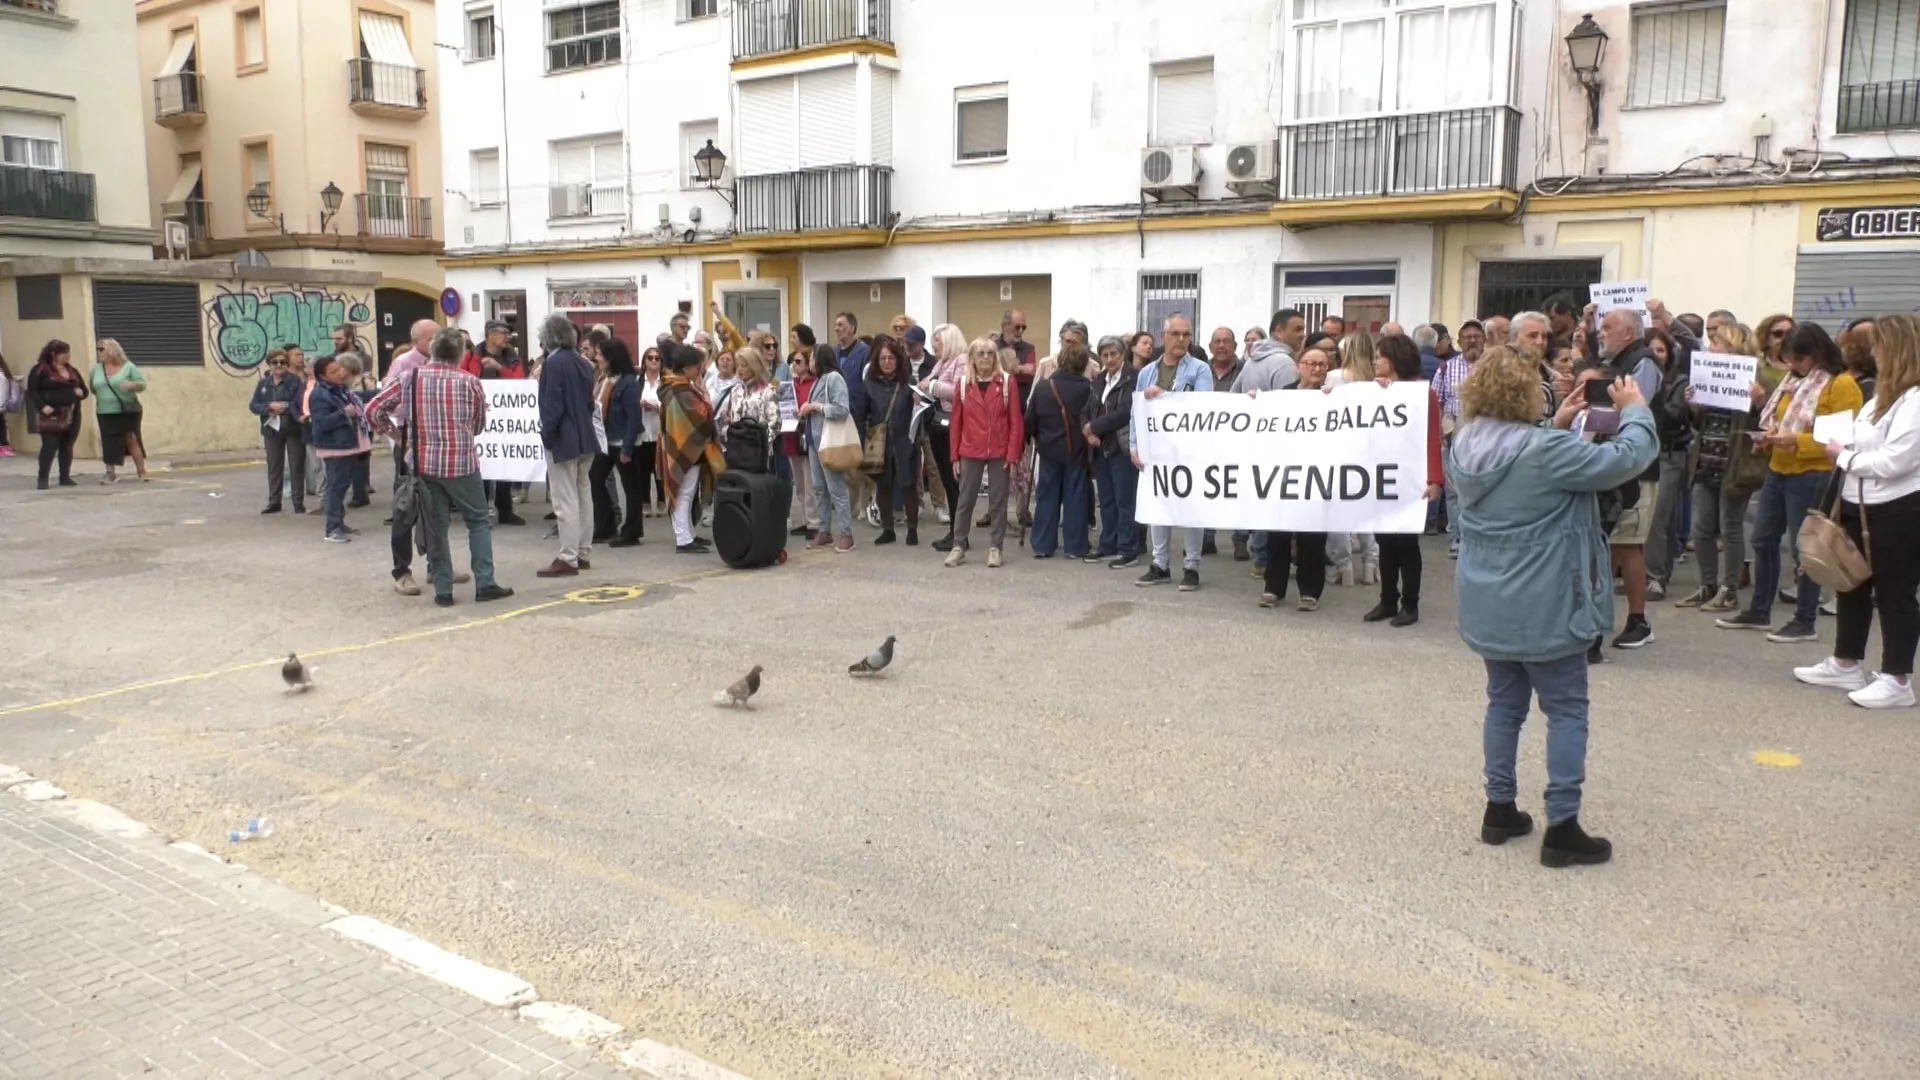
{"x":244,"y":325}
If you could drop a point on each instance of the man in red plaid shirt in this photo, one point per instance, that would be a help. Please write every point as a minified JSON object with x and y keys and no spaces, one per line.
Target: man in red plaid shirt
{"x":437,"y":411}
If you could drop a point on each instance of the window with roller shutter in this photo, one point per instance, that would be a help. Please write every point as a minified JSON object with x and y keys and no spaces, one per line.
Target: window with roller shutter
{"x":1880,"y":66}
{"x":980,"y":123}
{"x":767,"y":138}
{"x":156,"y":322}
{"x":1183,"y":103}
{"x":827,"y":113}
{"x":882,"y":116}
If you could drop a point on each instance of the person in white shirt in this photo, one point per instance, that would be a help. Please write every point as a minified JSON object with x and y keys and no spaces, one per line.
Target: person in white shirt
{"x":1879,"y":478}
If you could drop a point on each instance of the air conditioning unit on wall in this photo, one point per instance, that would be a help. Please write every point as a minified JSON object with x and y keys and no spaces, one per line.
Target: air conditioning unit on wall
{"x":1170,"y":172}
{"x":1251,"y":168}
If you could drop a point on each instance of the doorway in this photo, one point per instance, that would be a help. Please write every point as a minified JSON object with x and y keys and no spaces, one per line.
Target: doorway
{"x":755,"y":309}
{"x":1362,"y":296}
{"x":395,"y":312}
{"x":510,"y":307}
{"x":1508,"y":287}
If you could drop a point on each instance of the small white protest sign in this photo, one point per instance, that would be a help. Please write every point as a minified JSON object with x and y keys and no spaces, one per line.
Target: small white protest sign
{"x":1722,"y":381}
{"x":510,"y":447}
{"x":1834,"y":427}
{"x":1614,"y":295}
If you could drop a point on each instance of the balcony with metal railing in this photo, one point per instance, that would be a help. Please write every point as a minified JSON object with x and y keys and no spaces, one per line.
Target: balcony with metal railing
{"x":196,"y":213}
{"x":1883,"y":106}
{"x":394,"y":90}
{"x":394,"y":217}
{"x":43,"y":7}
{"x":179,"y":100}
{"x":770,"y":27}
{"x":50,"y":194}
{"x":1413,"y":154}
{"x":815,"y":200}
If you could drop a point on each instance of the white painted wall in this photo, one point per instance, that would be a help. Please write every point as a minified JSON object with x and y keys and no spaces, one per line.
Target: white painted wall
{"x":1781,"y":60}
{"x":671,"y":73}
{"x":1096,"y":278}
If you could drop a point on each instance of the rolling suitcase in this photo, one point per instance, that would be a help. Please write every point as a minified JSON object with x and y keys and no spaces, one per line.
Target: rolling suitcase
{"x":750,"y":519}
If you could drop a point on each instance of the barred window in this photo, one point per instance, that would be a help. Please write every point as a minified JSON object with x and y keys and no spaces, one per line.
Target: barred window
{"x":1167,"y":294}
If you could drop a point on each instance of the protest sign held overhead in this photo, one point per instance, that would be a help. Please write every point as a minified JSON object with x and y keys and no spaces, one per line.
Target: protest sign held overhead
{"x":510,"y":447}
{"x":1614,"y":295}
{"x":1354,"y":460}
{"x":1722,"y":381}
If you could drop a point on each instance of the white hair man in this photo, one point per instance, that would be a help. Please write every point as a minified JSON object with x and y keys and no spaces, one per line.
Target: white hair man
{"x":1173,"y":373}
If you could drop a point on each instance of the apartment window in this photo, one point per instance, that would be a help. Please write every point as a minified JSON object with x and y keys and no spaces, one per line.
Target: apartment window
{"x":980,"y":123}
{"x":259,"y":157}
{"x":1880,"y":66}
{"x":583,"y":36}
{"x":1182,"y":103}
{"x":487,"y":189}
{"x":1346,"y":46}
{"x":1162,"y":295}
{"x":30,"y":139}
{"x":250,"y":33}
{"x":480,"y":39}
{"x":1676,"y":53}
{"x":589,"y":178}
{"x":693,"y":136}
{"x":387,"y":201}
{"x":698,"y":9}
{"x":38,"y":296}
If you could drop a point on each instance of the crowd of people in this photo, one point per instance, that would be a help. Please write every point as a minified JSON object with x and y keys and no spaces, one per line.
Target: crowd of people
{"x":1568,"y":461}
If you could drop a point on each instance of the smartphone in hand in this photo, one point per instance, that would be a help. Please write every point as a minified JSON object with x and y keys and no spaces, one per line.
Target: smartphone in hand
{"x":1602,"y":421}
{"x":1599,"y":393}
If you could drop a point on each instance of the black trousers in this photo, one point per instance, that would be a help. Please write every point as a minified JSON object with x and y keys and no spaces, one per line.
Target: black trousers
{"x":1896,"y":574}
{"x":1311,"y":558}
{"x":502,"y":499}
{"x":60,"y":446}
{"x":632,"y":485}
{"x":1399,"y":570}
{"x":605,"y":518}
{"x":399,"y":536}
{"x":940,"y":440}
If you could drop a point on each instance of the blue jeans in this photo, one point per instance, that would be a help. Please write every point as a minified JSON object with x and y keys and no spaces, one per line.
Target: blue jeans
{"x":830,"y":498}
{"x":1057,"y":484}
{"x":1119,"y":533}
{"x":1562,"y":686}
{"x":333,"y":500}
{"x":1783,"y":502}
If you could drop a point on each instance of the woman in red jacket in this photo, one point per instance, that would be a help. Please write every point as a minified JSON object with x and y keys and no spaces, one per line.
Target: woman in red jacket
{"x":987,"y":438}
{"x":1396,"y":357}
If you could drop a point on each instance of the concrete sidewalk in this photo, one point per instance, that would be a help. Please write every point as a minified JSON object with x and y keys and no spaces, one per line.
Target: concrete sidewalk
{"x":122,"y":955}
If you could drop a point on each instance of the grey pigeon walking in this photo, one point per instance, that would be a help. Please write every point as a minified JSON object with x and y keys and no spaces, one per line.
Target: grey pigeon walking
{"x":741,"y":692}
{"x":876,"y":661}
{"x":295,"y":675}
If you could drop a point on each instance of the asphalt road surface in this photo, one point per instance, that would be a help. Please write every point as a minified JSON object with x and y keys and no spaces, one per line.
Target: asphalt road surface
{"x":1081,"y":829}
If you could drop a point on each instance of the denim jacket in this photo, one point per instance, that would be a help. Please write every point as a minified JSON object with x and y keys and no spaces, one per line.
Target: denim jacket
{"x":1192,"y":374}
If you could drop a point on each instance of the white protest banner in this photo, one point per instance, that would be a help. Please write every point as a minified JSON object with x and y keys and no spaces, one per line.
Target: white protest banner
{"x":1613,"y":295}
{"x":510,"y":447}
{"x":1722,"y":381}
{"x":1354,"y":460}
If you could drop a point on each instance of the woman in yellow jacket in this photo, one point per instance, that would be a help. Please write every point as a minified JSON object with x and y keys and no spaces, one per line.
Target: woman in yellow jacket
{"x":1797,"y":471}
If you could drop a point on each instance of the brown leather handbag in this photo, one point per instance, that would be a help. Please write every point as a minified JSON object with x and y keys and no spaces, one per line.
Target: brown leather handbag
{"x":1827,"y":554}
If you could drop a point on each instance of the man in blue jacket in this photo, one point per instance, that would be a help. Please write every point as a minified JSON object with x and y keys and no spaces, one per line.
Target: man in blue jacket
{"x":566,"y":429}
{"x":1174,"y":372}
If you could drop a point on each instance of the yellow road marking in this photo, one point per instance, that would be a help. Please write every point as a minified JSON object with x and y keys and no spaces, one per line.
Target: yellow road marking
{"x":1776,"y":759}
{"x":604,"y":594}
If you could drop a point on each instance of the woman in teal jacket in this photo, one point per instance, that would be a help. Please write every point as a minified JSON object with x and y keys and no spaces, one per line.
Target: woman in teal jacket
{"x":1534,"y":583}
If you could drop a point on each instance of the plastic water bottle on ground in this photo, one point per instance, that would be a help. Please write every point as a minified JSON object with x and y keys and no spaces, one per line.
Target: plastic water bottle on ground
{"x":255,"y":829}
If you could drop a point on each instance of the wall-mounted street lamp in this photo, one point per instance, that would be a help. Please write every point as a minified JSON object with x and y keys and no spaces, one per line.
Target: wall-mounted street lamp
{"x":1586,"y":47}
{"x":709,"y":164}
{"x":260,"y":203}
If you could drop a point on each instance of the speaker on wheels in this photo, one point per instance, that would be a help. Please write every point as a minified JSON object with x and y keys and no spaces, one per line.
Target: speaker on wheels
{"x":750,"y":519}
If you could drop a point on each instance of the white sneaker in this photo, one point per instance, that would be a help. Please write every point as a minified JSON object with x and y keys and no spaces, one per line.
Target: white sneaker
{"x":993,"y":558}
{"x":956,"y":556}
{"x":1829,"y":673}
{"x":1345,"y":576}
{"x":1884,"y":692}
{"x":945,"y":518}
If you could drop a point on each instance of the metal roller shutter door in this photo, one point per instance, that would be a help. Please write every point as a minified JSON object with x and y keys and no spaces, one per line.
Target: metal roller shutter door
{"x":158,"y":323}
{"x":1833,"y":288}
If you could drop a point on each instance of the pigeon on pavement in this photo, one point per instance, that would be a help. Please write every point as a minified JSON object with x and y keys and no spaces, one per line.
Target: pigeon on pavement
{"x":295,"y":674}
{"x":876,"y":661}
{"x":742,"y":691}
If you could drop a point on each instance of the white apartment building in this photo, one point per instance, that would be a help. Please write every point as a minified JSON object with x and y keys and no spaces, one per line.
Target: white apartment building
{"x":1377,"y":159}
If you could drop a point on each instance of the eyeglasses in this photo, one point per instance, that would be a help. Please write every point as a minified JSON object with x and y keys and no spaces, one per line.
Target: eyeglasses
{"x":1020,"y":326}
{"x":1777,"y":333}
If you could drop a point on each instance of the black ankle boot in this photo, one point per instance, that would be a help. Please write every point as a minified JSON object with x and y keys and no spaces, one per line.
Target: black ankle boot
{"x":913,"y":536}
{"x":1409,"y":614}
{"x":1504,"y":821}
{"x":945,"y":543}
{"x":886,"y":536}
{"x":1381,"y":612}
{"x":1566,"y":844}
